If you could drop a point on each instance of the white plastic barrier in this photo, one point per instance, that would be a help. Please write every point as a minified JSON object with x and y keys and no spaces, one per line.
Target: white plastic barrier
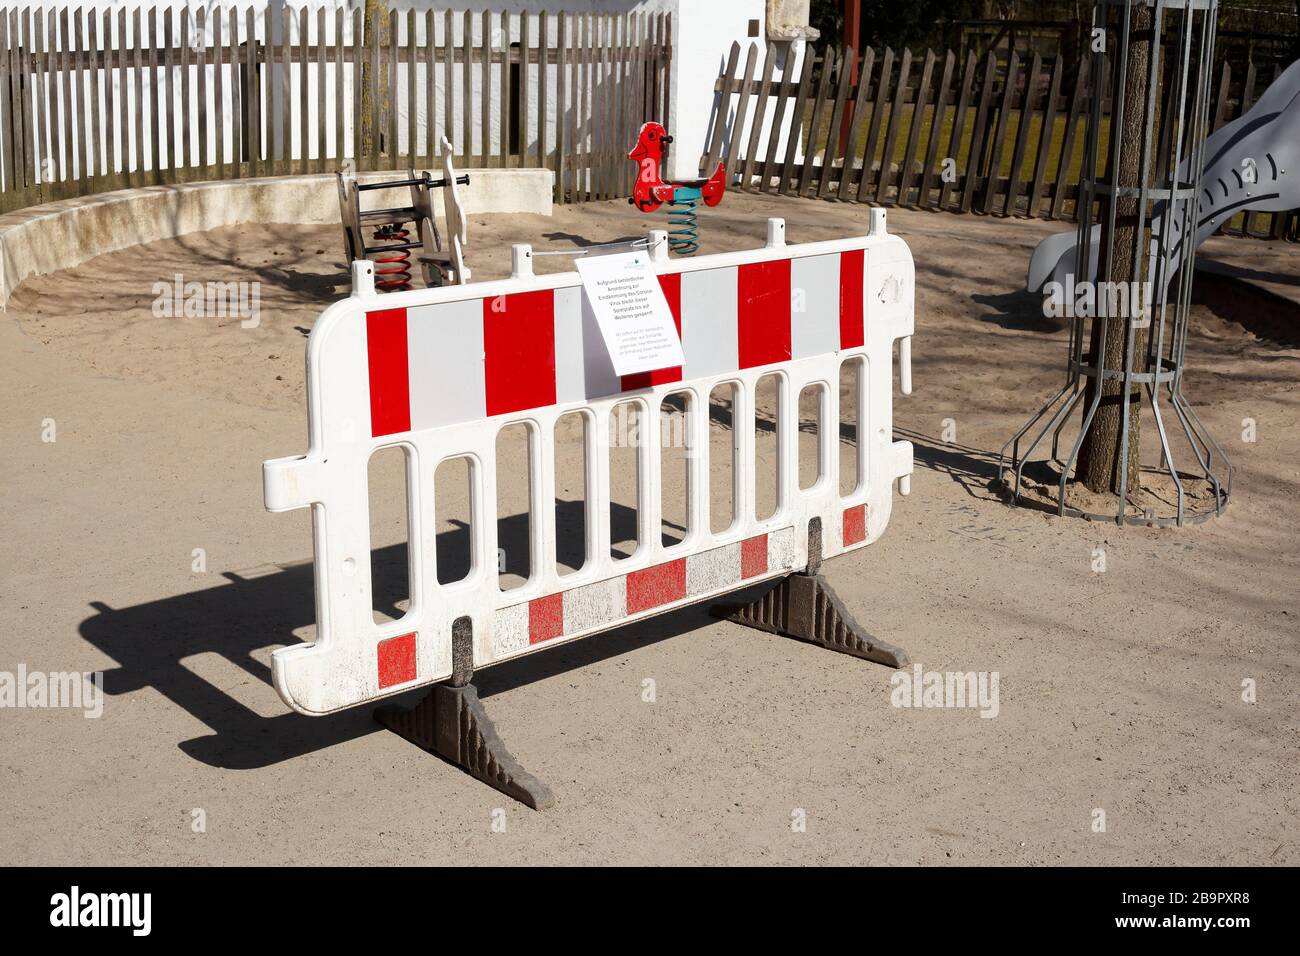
{"x":441,"y":371}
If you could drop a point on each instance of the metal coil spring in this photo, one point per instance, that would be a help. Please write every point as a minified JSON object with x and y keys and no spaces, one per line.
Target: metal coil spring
{"x":393,"y":269}
{"x":684,"y":228}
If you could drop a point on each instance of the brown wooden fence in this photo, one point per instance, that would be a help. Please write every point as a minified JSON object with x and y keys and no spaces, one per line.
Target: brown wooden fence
{"x":929,"y":131}
{"x":92,"y":101}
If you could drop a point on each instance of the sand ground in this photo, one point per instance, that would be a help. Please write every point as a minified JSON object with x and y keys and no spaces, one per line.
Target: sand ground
{"x":1119,"y":691}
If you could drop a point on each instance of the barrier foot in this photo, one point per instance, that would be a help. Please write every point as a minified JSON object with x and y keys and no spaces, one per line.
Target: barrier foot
{"x":452,"y":723}
{"x":804,"y":606}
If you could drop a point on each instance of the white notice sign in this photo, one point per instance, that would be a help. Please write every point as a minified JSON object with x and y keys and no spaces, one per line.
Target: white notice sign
{"x":632,"y":313}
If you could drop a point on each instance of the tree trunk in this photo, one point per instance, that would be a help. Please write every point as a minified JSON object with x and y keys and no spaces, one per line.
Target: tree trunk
{"x":374,"y":89}
{"x":1099,"y":466}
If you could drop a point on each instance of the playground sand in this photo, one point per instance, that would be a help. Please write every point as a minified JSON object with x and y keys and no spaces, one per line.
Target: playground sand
{"x":137,"y":545}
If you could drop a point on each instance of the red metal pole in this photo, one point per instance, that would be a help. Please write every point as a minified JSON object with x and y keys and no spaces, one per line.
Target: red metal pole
{"x":852,"y":35}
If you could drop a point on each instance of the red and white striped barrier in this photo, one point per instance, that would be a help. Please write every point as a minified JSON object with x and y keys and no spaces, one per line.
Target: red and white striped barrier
{"x":441,"y":371}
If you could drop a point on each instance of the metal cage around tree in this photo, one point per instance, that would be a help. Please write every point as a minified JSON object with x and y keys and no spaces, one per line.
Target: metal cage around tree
{"x":1128,"y":331}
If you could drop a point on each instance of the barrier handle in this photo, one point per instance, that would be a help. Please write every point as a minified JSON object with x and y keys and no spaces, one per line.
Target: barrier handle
{"x":905,"y":365}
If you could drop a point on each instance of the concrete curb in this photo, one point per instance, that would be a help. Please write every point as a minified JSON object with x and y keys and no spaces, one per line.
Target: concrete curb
{"x":66,"y":233}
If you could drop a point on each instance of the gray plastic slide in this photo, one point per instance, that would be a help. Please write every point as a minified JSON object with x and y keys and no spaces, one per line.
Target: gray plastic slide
{"x":1252,"y":163}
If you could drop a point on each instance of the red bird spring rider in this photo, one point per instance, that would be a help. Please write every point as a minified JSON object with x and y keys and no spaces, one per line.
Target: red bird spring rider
{"x":682,"y":196}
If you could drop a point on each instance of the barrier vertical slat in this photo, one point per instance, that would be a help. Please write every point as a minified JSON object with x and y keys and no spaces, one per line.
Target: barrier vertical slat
{"x":541,"y":504}
{"x":787,"y":442}
{"x":698,"y":465}
{"x":597,"y":449}
{"x":744,"y":420}
{"x":649,"y":506}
